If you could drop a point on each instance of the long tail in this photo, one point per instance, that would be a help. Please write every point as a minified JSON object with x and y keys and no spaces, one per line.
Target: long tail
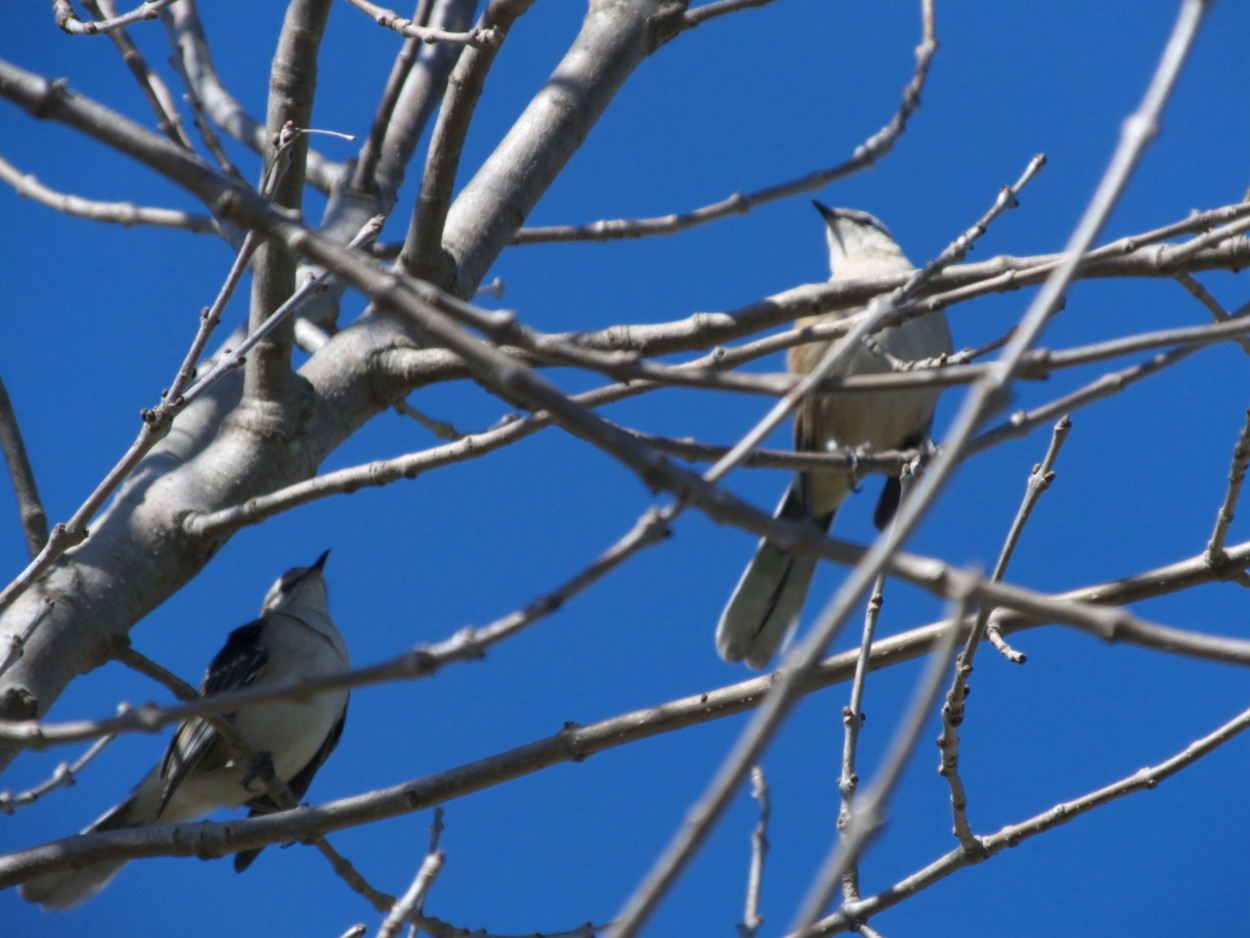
{"x":765,"y":606}
{"x":65,"y":889}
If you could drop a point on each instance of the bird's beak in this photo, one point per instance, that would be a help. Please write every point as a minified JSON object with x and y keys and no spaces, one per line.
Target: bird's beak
{"x":321,"y":562}
{"x":826,"y":212}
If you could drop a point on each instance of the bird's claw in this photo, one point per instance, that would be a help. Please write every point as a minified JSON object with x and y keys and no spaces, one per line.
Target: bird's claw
{"x":262,"y":768}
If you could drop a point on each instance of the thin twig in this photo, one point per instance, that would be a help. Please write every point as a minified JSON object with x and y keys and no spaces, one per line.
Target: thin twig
{"x":188,"y":58}
{"x":1023,"y":422}
{"x":702,"y":14}
{"x":869,"y":815}
{"x":1236,"y":476}
{"x":1039,"y":481}
{"x":1146,"y":779}
{"x":414,"y":898}
{"x":389,"y":19}
{"x":126,"y":214}
{"x":954,"y":707}
{"x":751,"y":919}
{"x":1203,"y":296}
{"x":155,"y":92}
{"x":30,"y":510}
{"x":64,"y":775}
{"x":69,"y":21}
{"x":875,"y":148}
{"x":853,"y":712}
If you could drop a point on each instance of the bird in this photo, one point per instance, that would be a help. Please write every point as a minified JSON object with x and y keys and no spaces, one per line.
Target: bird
{"x":293,"y":640}
{"x":765,"y":606}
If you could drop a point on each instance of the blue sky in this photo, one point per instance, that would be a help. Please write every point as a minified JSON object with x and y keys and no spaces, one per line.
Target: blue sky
{"x":96,"y":319}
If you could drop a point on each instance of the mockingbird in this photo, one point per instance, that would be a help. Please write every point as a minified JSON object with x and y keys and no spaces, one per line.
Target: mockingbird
{"x":293,"y":640}
{"x":765,"y":606}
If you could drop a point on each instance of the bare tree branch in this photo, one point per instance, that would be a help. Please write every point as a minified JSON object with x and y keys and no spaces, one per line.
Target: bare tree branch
{"x":751,"y":919}
{"x":64,"y":776}
{"x":1039,"y":481}
{"x":414,"y":898}
{"x":1203,"y":296}
{"x":155,"y":92}
{"x":615,"y":38}
{"x":68,"y":20}
{"x":868,"y":816}
{"x":29,"y":506}
{"x":1012,"y":835}
{"x":708,"y":11}
{"x":853,"y":714}
{"x":187,"y":38}
{"x":421,"y":254}
{"x":115,"y":213}
{"x":1236,"y":476}
{"x":267,"y":376}
{"x":954,"y":708}
{"x":389,"y":19}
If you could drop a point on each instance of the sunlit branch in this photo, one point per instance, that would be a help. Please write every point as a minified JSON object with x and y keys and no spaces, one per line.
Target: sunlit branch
{"x":69,"y":21}
{"x":389,"y":19}
{"x":126,"y":214}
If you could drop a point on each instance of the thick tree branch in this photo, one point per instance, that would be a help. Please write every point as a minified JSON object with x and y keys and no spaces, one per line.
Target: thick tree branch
{"x":422,"y":253}
{"x":186,"y":36}
{"x":292,"y":87}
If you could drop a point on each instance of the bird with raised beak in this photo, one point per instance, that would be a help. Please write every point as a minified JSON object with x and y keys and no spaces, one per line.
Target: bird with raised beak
{"x":293,"y":641}
{"x":764,"y":608}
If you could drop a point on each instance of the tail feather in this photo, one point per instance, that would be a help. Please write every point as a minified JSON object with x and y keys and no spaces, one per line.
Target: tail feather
{"x":765,"y":606}
{"x":64,"y":889}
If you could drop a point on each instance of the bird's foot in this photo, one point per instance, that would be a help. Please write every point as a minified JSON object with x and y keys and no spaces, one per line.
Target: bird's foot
{"x":261,"y":769}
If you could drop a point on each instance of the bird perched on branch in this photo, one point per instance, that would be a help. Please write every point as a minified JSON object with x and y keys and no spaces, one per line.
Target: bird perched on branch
{"x":293,"y":640}
{"x":766,"y":604}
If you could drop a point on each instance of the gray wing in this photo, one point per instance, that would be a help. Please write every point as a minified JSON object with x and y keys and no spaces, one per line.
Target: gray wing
{"x":239,"y":663}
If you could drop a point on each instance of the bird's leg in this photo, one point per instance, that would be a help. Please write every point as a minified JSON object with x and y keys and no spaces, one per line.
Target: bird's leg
{"x":261,"y":768}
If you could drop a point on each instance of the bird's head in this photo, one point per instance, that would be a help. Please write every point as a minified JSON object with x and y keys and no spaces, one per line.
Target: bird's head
{"x":298,"y":587}
{"x":859,"y":244}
